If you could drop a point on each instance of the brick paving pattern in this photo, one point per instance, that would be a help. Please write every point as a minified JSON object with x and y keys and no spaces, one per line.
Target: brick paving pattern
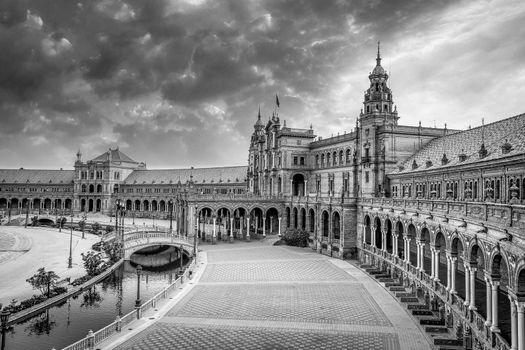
{"x":349,"y":304}
{"x":307,"y":270}
{"x":255,"y":296}
{"x":163,"y":336}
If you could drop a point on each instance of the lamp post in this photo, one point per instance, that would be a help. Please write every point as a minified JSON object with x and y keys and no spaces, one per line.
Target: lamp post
{"x":181,"y":262}
{"x":195,"y":235}
{"x":84,"y":217}
{"x":9,"y":212}
{"x":27,"y":213}
{"x":117,"y":205}
{"x":70,"y":260}
{"x":4,"y":318}
{"x":138,"y":302}
{"x":170,"y":205}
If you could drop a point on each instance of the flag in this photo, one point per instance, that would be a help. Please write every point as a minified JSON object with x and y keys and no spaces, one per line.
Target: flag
{"x":277,"y":101}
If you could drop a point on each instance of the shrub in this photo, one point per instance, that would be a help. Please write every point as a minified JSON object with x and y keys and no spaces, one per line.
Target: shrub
{"x":44,"y":281}
{"x":297,"y":238}
{"x":95,"y":228}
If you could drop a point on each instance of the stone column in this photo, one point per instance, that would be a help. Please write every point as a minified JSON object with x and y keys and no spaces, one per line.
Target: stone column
{"x":264,"y":226}
{"x":364,"y":233}
{"x":488,"y":320}
{"x":305,"y":187}
{"x":436,"y":258}
{"x":418,"y":259}
{"x":279,"y":218}
{"x":248,"y":228}
{"x":521,"y":326}
{"x":407,"y":249}
{"x":454,"y":261}
{"x":241,"y":224}
{"x":513,"y":324}
{"x":394,"y":245}
{"x":214,"y":237}
{"x":231,"y":229}
{"x":495,"y":317}
{"x":422,"y":256}
{"x":449,"y":272}
{"x":473,"y":288}
{"x":432,"y":262}
{"x":467,"y":285}
{"x":373,"y":237}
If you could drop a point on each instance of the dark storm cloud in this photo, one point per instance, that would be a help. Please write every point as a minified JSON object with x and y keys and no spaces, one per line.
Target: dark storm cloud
{"x":186,"y":77}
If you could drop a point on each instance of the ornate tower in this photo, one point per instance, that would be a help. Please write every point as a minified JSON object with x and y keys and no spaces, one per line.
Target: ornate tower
{"x":378,"y":117}
{"x":378,"y":102}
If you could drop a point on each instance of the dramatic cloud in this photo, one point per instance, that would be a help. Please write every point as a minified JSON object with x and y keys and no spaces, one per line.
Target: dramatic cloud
{"x":178,"y":83}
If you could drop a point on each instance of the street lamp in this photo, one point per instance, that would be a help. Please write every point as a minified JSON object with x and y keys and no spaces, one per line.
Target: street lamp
{"x":4,"y":318}
{"x":27,"y":212}
{"x":138,"y":301}
{"x":181,"y":262}
{"x":195,"y":235}
{"x":70,"y":260}
{"x":170,"y":204}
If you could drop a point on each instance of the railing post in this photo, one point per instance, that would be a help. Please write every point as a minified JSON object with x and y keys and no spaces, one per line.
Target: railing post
{"x":118,"y":327}
{"x":91,"y":340}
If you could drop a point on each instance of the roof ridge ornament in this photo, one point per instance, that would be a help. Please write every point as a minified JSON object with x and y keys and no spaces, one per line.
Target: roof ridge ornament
{"x":378,"y":59}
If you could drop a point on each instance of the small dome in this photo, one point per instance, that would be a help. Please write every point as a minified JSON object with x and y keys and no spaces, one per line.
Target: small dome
{"x":378,"y":70}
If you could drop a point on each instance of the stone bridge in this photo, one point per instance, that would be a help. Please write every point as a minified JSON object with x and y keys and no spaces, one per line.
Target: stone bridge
{"x":140,"y":239}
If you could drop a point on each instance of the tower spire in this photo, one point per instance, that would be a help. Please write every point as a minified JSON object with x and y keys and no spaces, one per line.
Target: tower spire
{"x":259,"y":114}
{"x":378,"y":59}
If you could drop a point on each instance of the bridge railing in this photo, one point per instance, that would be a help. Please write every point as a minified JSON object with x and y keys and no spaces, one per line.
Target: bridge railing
{"x":94,"y":338}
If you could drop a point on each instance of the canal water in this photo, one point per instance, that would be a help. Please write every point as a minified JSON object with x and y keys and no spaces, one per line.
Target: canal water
{"x":93,"y":309}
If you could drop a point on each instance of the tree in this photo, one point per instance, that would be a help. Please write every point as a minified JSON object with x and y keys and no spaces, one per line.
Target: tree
{"x":43,"y":281}
{"x":109,"y":229}
{"x":113,"y":250}
{"x":93,"y":263}
{"x":34,"y":221}
{"x":95,"y":228}
{"x":81,"y":225}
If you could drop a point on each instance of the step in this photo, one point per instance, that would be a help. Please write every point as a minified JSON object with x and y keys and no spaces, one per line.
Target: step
{"x":405,"y":294}
{"x":432,"y":322}
{"x":375,"y":272}
{"x":445,"y":341}
{"x":417,"y":307}
{"x":422,"y":313}
{"x":385,"y":279}
{"x":450,"y":347}
{"x":396,"y":288}
{"x":383,"y":276}
{"x":436,"y":329}
{"x":409,"y":300}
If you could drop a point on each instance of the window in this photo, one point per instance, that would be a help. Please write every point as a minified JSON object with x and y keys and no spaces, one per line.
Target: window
{"x":294,"y":160}
{"x":319,"y":185}
{"x":367,"y":176}
{"x":92,"y":175}
{"x":301,"y":161}
{"x":345,"y":185}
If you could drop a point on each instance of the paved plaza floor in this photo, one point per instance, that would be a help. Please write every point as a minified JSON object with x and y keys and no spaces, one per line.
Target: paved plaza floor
{"x":24,"y":250}
{"x":252,"y":295}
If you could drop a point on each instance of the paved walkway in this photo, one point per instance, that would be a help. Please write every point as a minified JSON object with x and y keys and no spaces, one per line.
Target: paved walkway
{"x":24,"y":251}
{"x":256,"y":296}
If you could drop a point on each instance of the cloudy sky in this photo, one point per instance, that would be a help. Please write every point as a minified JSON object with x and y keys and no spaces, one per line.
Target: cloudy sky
{"x":178,"y":83}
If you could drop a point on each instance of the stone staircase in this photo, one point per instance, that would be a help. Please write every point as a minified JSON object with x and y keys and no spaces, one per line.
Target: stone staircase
{"x":442,"y":337}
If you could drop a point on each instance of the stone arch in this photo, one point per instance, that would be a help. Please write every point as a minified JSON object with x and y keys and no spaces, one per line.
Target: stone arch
{"x":325,"y":217}
{"x":499,"y":269}
{"x":368,"y":229}
{"x":440,"y":244}
{"x":272,"y":220}
{"x":91,"y":188}
{"x":336,"y":225}
{"x":302,"y":219}
{"x":137,"y":204}
{"x":295,"y":217}
{"x":154,"y":206}
{"x":477,"y":260}
{"x":389,"y":236}
{"x":298,"y":184}
{"x":424,"y":239}
{"x":377,"y":232}
{"x":146,"y":205}
{"x":47,"y":203}
{"x":411,"y":234}
{"x":288,"y":217}
{"x":256,"y":216}
{"x":162,"y":205}
{"x":311,"y":214}
{"x":99,"y":188}
{"x":399,"y":230}
{"x":68,"y":203}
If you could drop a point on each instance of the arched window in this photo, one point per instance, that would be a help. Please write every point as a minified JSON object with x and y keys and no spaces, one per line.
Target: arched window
{"x":334,"y":158}
{"x":340,"y":157}
{"x":328,"y":159}
{"x":317,"y":160}
{"x":84,"y":188}
{"x":348,"y":156}
{"x":322,"y":160}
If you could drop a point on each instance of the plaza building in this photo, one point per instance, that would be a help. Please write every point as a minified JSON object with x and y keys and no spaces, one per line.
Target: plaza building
{"x":441,"y":210}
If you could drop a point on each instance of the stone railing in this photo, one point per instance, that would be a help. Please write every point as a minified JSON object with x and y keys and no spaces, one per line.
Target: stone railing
{"x":94,"y":338}
{"x":480,"y":331}
{"x":507,"y":215}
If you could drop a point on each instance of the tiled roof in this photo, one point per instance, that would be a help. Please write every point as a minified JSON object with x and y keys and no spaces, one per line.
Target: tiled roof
{"x":33,"y":176}
{"x":468,"y":143}
{"x":115,"y":155}
{"x":235,"y":174}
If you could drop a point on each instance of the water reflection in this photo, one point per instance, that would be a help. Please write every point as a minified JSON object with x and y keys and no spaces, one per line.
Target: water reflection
{"x":92,"y":309}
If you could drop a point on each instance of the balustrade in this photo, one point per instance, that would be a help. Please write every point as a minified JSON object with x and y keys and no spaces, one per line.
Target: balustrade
{"x":481,"y":332}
